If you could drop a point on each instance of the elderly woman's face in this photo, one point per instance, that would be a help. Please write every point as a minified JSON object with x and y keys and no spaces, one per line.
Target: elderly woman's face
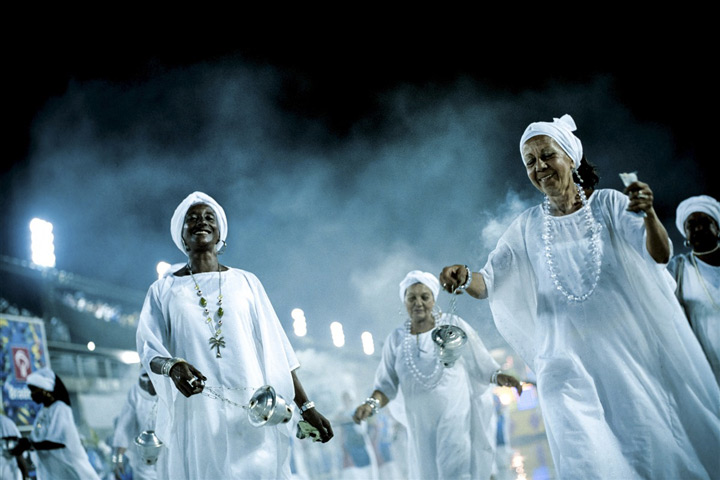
{"x":701,"y":231}
{"x":549,"y":168}
{"x":419,"y":302}
{"x":200,"y":229}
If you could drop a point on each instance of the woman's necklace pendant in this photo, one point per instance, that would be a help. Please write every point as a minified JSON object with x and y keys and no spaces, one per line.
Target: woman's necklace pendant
{"x":216,"y":341}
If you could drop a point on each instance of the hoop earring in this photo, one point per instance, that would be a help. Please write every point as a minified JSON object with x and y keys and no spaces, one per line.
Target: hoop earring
{"x":184,"y":245}
{"x":222,"y":249}
{"x":686,"y":243}
{"x":436,"y":312}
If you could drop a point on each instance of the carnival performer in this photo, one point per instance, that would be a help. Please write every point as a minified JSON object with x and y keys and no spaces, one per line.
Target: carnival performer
{"x":11,"y":467}
{"x":137,"y":415}
{"x":54,"y":443}
{"x":697,"y":273}
{"x":447,"y":410}
{"x":578,"y":286}
{"x":209,"y":337}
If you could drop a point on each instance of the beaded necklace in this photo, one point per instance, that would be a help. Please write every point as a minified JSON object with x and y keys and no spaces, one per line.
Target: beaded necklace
{"x":216,"y":340}
{"x":593,"y":258}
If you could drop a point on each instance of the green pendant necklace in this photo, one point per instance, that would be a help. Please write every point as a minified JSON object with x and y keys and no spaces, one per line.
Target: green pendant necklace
{"x":216,"y":340}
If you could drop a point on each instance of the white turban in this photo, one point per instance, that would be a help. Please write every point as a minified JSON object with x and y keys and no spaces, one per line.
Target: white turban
{"x":178,"y":218}
{"x":43,"y":378}
{"x":560,"y":130}
{"x":417,"y":276}
{"x":700,"y":203}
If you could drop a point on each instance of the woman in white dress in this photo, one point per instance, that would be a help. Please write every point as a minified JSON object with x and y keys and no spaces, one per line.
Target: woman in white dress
{"x":697,"y":273}
{"x":221,"y":320}
{"x":578,"y":286}
{"x":447,"y":410}
{"x":54,"y":443}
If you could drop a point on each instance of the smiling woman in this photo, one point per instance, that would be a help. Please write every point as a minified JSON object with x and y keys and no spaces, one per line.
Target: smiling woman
{"x":220,"y":319}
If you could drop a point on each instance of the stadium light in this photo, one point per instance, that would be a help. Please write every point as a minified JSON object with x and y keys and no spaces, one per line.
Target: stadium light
{"x":41,"y":246}
{"x":162,"y":268}
{"x":367,"y":343}
{"x":299,"y":322}
{"x":338,"y":337}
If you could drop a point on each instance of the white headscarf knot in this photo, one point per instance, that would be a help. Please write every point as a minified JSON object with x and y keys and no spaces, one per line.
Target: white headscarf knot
{"x":560,"y":130}
{"x":417,"y":276}
{"x":43,"y":378}
{"x":178,"y":218}
{"x":700,"y":203}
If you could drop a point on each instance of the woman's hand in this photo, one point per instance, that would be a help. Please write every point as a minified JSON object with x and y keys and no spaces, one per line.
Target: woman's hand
{"x":641,"y":197}
{"x":452,"y":277}
{"x":23,"y":444}
{"x":362,"y":412}
{"x":322,"y":424}
{"x":187,"y":379}
{"x":505,"y":380}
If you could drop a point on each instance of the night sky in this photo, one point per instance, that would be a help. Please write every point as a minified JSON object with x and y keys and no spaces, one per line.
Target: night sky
{"x":342,"y":161}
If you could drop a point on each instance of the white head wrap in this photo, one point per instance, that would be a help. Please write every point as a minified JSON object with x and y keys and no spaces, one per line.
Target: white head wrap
{"x":417,"y":276}
{"x":700,"y":203}
{"x":560,"y":130}
{"x":178,"y":218}
{"x":43,"y":378}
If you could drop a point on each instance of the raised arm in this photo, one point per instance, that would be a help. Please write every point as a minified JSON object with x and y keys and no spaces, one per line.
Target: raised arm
{"x":657,"y":241}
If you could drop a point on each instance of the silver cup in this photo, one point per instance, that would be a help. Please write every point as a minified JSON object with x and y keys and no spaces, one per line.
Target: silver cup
{"x":450,"y":340}
{"x":149,"y":446}
{"x":266,"y":407}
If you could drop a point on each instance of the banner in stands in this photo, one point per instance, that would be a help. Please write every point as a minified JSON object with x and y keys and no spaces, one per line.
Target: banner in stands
{"x":24,"y":350}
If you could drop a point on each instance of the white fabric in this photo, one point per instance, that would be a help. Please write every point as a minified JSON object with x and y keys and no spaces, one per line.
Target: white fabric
{"x":560,"y":129}
{"x":208,"y":438}
{"x":57,"y":424}
{"x":704,"y":318}
{"x":417,"y":276}
{"x":42,"y":378}
{"x":448,"y":434}
{"x":178,"y":218}
{"x":699,"y":203}
{"x":624,"y":387}
{"x":8,"y":466}
{"x":137,"y":415}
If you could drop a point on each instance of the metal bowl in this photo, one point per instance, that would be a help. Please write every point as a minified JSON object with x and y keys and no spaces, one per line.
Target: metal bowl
{"x":268,"y":408}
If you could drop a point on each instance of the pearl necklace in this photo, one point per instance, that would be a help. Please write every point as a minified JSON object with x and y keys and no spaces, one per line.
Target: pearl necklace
{"x":595,"y":253}
{"x":428,"y":381}
{"x":216,"y":340}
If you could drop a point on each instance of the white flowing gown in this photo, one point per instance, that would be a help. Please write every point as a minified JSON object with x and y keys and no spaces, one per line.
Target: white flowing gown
{"x":450,"y":434}
{"x":624,"y":387}
{"x":9,"y":469}
{"x":137,"y":414}
{"x":56,"y":423}
{"x":696,"y":296}
{"x":207,"y":438}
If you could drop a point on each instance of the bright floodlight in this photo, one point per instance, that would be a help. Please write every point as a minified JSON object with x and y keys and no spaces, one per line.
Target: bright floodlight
{"x":42,"y":247}
{"x":129,"y":357}
{"x":338,"y":337}
{"x":299,"y":323}
{"x":367,"y":343}
{"x":91,"y":345}
{"x":161,"y":268}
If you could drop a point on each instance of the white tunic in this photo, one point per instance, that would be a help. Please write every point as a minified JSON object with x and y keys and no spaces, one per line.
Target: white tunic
{"x":207,"y":438}
{"x":137,"y":414}
{"x":8,"y":464}
{"x":57,"y":424}
{"x":448,"y":434}
{"x":624,"y":387}
{"x":695,"y":295}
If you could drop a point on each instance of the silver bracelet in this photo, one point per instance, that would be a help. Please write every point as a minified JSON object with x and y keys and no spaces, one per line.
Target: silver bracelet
{"x":468,"y":281}
{"x":374,"y":404}
{"x":167,"y":366}
{"x":306,"y":406}
{"x":493,"y":379}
